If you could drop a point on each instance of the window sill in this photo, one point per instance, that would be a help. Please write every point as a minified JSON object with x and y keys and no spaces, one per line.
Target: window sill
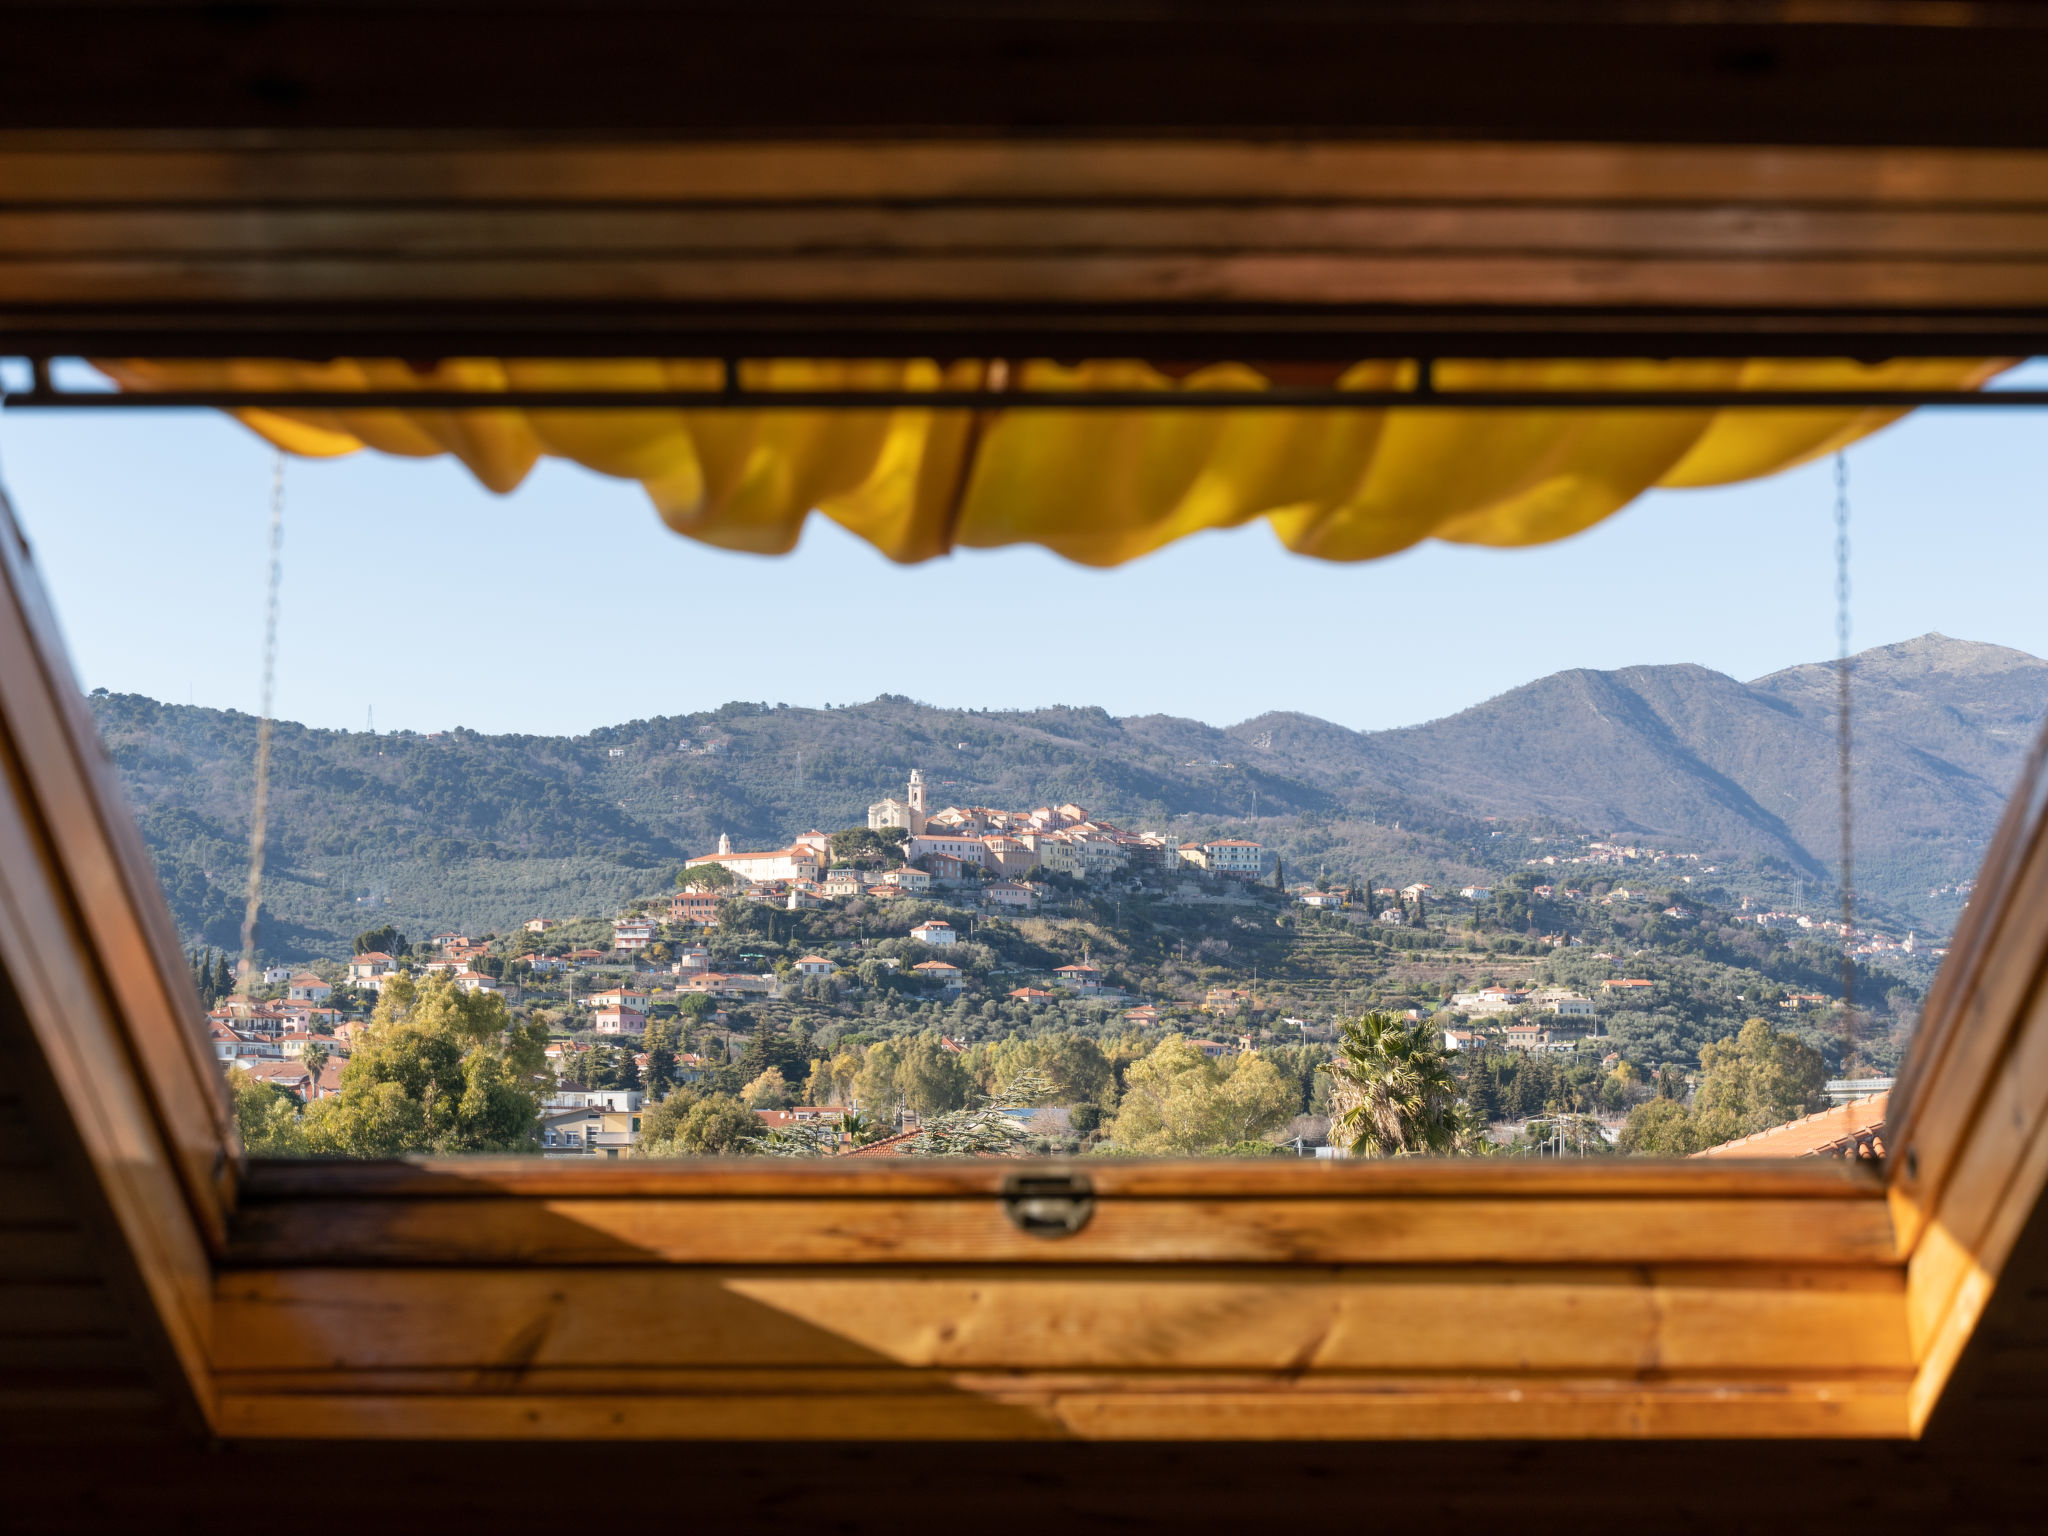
{"x":1301,"y":1301}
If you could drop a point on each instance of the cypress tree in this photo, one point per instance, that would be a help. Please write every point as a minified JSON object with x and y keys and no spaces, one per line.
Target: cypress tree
{"x":763,"y":1051}
{"x":661,"y":1059}
{"x":795,"y":1055}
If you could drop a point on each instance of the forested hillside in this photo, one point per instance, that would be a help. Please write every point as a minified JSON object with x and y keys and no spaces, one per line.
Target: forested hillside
{"x":477,"y":832}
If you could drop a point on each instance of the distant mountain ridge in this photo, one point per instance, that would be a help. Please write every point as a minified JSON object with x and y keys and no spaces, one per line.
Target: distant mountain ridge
{"x":1940,"y":730}
{"x":479,"y":831}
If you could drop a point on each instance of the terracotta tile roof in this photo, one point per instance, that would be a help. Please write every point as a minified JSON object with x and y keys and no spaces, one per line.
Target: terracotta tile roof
{"x":888,"y":1146}
{"x":1854,"y":1130}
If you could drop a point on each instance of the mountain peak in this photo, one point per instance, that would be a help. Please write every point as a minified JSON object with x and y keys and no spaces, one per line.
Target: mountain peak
{"x":1915,"y":661}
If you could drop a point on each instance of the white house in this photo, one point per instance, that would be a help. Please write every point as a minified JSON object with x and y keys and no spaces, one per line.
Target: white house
{"x":907,"y":879}
{"x":967,"y":849}
{"x":1476,"y":892}
{"x":799,"y":862}
{"x":933,"y":932}
{"x":617,"y":997}
{"x":634,"y":933}
{"x":370,"y":969}
{"x":1234,"y":856}
{"x":815,"y":965}
{"x":475,"y":981}
{"x":540,"y":924}
{"x":937,"y":970}
{"x":1322,"y":900}
{"x":308,"y":988}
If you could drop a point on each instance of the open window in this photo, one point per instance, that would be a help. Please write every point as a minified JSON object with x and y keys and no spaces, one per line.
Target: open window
{"x":919,"y":308}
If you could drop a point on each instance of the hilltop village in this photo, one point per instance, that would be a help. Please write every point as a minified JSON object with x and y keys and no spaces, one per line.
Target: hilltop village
{"x":971,"y":978}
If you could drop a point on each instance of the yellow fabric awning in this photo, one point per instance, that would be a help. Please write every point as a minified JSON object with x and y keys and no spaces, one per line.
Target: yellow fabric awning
{"x":1099,"y":486}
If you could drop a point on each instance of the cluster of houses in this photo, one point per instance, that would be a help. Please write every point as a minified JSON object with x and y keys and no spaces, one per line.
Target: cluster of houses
{"x":455,"y":955}
{"x":993,"y":851}
{"x":1066,"y":839}
{"x":1620,"y":854}
{"x":1546,"y":1019}
{"x":296,"y":1042}
{"x":801,"y":877}
{"x":1859,"y":943}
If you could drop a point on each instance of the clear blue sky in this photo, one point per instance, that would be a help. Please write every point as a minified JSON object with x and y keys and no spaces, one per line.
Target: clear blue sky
{"x":568,"y":605}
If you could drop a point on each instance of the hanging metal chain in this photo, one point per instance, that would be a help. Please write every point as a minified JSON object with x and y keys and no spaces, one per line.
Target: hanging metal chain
{"x":1844,"y":782}
{"x":259,"y":825}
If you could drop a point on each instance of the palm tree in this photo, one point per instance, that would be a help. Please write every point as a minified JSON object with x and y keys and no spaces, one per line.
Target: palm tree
{"x":1394,"y":1093}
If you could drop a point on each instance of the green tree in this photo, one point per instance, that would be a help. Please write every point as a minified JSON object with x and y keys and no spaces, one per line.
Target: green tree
{"x":1759,"y":1079}
{"x":438,"y":1070}
{"x":1169,"y":1103}
{"x":661,"y":1042}
{"x":662,"y":1119}
{"x":932,"y":1079}
{"x":1393,"y":1092}
{"x":1749,"y":1082}
{"x":705,"y":877}
{"x":1657,"y":1128}
{"x":386,"y":940}
{"x":1027,"y":1088}
{"x":762,"y":1051}
{"x":1253,"y":1099}
{"x":1076,"y":1065}
{"x":716,"y":1125}
{"x":874,"y":1086}
{"x":868,"y":848}
{"x":611,"y":1066}
{"x":266,"y":1116}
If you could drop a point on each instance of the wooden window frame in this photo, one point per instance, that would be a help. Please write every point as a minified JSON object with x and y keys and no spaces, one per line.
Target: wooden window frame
{"x":1515,"y":1301}
{"x":510,"y":1298}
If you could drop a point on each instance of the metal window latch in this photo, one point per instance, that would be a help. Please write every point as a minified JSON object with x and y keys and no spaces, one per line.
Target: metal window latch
{"x":1049,"y":1204}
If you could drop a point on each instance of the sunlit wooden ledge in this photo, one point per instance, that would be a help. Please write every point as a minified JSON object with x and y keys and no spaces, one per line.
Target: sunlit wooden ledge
{"x":1201,"y":1300}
